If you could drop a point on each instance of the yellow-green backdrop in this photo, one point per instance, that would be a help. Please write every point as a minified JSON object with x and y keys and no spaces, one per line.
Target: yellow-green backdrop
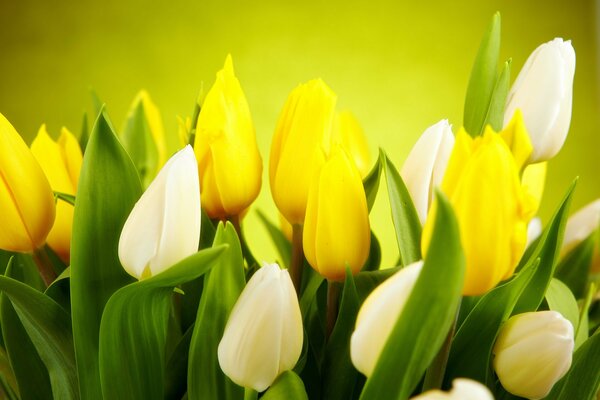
{"x":399,"y":66}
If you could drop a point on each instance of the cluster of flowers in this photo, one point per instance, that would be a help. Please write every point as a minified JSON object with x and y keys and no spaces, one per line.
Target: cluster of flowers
{"x":318,"y":161}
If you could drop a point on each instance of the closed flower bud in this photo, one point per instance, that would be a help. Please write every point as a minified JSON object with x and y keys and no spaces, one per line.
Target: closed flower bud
{"x":61,"y":162}
{"x":424,"y":168}
{"x":336,"y":228}
{"x":492,"y":208}
{"x":543,"y":92}
{"x":349,"y":134}
{"x":229,"y":163}
{"x":532,"y":352}
{"x":300,"y":144}
{"x":378,"y":315}
{"x":462,"y":389}
{"x":164,"y":225}
{"x":26,"y":200}
{"x":263,"y":336}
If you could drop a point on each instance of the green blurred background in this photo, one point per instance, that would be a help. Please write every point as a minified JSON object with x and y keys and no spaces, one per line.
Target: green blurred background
{"x":399,"y":66}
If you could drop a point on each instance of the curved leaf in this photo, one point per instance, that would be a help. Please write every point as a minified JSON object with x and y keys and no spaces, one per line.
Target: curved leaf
{"x":133,"y":331}
{"x":288,"y":386}
{"x":418,"y":335}
{"x":560,"y":298}
{"x":49,"y":328}
{"x":371,"y":182}
{"x":495,"y":112}
{"x":222,"y":287}
{"x":574,"y":268}
{"x":404,"y":215}
{"x":108,"y":188}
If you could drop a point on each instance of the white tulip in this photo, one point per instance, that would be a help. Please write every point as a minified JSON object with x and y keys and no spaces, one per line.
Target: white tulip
{"x":581,"y":225}
{"x":425,"y":165}
{"x":164,"y":226}
{"x":543,"y":92}
{"x":534,"y":230}
{"x":532,"y":352}
{"x":462,"y":389}
{"x":263,"y":336}
{"x":377,"y":317}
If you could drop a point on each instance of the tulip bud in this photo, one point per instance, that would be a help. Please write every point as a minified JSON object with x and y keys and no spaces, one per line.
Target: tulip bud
{"x":164,"y":225}
{"x":532,"y":352}
{"x":425,"y":165}
{"x":336,"y":228}
{"x":26,"y":200}
{"x":61,"y":162}
{"x":263,"y":336}
{"x":543,"y":91}
{"x":492,"y":208}
{"x":228,"y":159}
{"x":462,"y":389}
{"x":581,"y":225}
{"x":299,"y":147}
{"x":349,"y":134}
{"x":378,"y":315}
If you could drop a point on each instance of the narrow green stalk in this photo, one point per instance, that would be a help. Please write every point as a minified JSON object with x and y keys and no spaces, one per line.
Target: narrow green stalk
{"x":297,"y":261}
{"x":195,"y":115}
{"x":434,"y":377}
{"x":333,"y":299}
{"x":250,"y":394}
{"x":44,"y":265}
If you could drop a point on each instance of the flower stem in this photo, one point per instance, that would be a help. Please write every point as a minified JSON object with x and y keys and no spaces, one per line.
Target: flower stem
{"x":250,"y":394}
{"x":434,"y":377}
{"x":333,"y":299}
{"x":297,"y":261}
{"x":44,"y":265}
{"x":235,"y":221}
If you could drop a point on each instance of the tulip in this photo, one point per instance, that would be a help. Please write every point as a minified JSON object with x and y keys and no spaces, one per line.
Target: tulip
{"x":164,"y":225}
{"x":462,"y":389}
{"x":228,"y":159}
{"x":492,"y":208}
{"x":336,"y":228}
{"x":543,"y":91}
{"x":26,"y":200}
{"x":579,"y":227}
{"x":424,"y":168}
{"x":300,"y":145}
{"x":349,"y":134}
{"x":263,"y":336}
{"x":534,"y":230}
{"x":378,"y":315}
{"x":532,"y":352}
{"x":61,"y":162}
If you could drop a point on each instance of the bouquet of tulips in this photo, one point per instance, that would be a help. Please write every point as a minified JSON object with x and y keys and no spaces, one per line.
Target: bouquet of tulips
{"x":127,"y":274}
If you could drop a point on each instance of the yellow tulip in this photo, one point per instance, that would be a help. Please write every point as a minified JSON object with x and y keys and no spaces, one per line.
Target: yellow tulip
{"x":348,"y":132}
{"x":26,"y":200}
{"x":336,"y":229}
{"x":229,"y":163}
{"x":61,"y":162}
{"x":300,"y":144}
{"x":492,"y":207}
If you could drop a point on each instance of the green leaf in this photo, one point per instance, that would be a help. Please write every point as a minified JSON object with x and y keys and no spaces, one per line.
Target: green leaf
{"x":574,"y":268}
{"x":374,"y":260}
{"x":472,"y":345}
{"x":547,"y":250}
{"x":222,"y":287}
{"x":582,"y":331}
{"x":28,"y":368}
{"x":495,"y":112}
{"x":288,"y":386}
{"x":366,"y":281}
{"x":282,"y":244}
{"x":177,"y":365}
{"x":371,"y":182}
{"x":583,"y":379}
{"x":313,"y":281}
{"x":560,"y":299}
{"x":8,"y":382}
{"x":67,"y":198}
{"x":418,"y":335}
{"x":49,"y":328}
{"x":59,"y":290}
{"x":108,"y":188}
{"x":84,"y":133}
{"x":404,"y":215}
{"x":133,"y":331}
{"x":339,"y":373}
{"x":139,"y":143}
{"x":483,"y":79}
